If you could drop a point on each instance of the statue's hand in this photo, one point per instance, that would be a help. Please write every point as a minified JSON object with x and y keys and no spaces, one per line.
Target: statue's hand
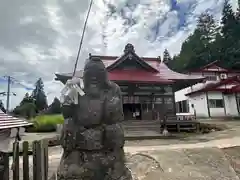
{"x":114,"y":111}
{"x":71,"y":90}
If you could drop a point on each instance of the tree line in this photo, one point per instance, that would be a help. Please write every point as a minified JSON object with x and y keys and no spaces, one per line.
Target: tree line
{"x":36,"y":103}
{"x":211,"y":41}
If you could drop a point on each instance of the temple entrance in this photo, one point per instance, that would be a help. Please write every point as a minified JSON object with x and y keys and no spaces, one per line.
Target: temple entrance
{"x":132,"y":111}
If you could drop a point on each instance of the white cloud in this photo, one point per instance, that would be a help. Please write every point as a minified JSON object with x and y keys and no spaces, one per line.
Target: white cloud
{"x":39,"y":38}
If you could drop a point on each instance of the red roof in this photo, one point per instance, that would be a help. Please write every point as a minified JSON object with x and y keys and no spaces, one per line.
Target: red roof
{"x":7,"y":121}
{"x":152,"y":69}
{"x":213,"y":67}
{"x":164,"y":74}
{"x":137,"y":76}
{"x":163,"y":70}
{"x":229,"y":85}
{"x":170,"y":74}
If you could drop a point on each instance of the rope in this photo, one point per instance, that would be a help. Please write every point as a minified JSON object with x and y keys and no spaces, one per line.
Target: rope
{"x":81,"y":41}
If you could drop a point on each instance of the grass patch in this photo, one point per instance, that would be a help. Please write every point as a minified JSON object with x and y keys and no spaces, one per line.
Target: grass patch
{"x":46,"y":123}
{"x":49,"y":119}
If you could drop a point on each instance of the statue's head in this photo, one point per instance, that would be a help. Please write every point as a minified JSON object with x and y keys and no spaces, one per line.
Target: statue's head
{"x":95,"y":76}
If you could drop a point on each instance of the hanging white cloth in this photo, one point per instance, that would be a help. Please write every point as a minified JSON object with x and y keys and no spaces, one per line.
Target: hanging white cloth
{"x":71,"y":90}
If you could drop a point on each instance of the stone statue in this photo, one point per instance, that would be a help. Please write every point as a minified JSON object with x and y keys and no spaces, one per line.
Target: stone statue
{"x":92,"y":138}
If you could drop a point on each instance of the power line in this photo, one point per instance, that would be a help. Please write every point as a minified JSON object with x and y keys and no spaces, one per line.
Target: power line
{"x":14,"y":81}
{"x":10,"y":80}
{"x":19,"y":83}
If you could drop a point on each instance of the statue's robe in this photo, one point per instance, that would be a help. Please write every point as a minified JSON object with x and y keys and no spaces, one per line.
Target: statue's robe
{"x":93,"y":138}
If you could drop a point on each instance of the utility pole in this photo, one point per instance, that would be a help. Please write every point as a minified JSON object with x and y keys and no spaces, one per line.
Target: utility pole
{"x":8,"y":92}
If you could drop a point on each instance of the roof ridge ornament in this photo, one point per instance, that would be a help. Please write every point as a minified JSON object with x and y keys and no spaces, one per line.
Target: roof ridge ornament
{"x":160,"y":59}
{"x":129,"y":48}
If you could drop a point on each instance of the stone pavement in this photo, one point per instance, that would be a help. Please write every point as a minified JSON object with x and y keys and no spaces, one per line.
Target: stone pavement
{"x":188,"y":164}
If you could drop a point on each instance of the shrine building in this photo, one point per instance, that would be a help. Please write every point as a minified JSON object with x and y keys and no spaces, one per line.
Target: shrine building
{"x":147,"y":84}
{"x":217,"y":96}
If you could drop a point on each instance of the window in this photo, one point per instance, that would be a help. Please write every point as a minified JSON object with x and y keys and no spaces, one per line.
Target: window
{"x":168,"y":102}
{"x":216,"y":103}
{"x":211,"y":78}
{"x":182,"y":106}
{"x":158,"y":100}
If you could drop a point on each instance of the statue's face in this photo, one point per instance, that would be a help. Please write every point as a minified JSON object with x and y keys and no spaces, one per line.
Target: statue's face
{"x":94,"y":77}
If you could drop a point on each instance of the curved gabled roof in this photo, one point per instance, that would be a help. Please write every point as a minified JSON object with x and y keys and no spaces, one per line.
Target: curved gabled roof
{"x":137,"y":76}
{"x":151,"y":69}
{"x":166,"y":72}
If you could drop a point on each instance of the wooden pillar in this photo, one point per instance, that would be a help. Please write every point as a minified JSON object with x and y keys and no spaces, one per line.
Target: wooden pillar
{"x":224,"y":104}
{"x":178,"y":127}
{"x":209,"y":114}
{"x":197,"y":127}
{"x":152,"y":106}
{"x":173,"y":92}
{"x":236,"y":98}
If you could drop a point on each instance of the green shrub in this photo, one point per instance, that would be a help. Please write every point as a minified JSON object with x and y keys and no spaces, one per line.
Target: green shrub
{"x":46,"y":123}
{"x":27,"y":110}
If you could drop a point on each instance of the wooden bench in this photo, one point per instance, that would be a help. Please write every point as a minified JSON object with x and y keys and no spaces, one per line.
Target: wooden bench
{"x":181,"y":125}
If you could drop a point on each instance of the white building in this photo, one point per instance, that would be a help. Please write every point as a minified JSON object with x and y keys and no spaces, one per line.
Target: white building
{"x":217,"y":96}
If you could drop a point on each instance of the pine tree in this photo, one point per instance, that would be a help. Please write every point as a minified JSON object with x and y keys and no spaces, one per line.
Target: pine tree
{"x":27,"y":99}
{"x":238,"y":20}
{"x":231,"y":38}
{"x":198,"y":49}
{"x":207,"y":27}
{"x":210,"y":42}
{"x":238,"y":11}
{"x":26,"y":108}
{"x":55,"y":107}
{"x":202,"y":40}
{"x":166,"y":56}
{"x":228,"y":21}
{"x":39,"y":96}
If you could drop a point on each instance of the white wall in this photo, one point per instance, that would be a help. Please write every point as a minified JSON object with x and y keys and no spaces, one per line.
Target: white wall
{"x":180,"y":95}
{"x":199,"y":100}
{"x":200,"y":104}
{"x":231,"y":105}
{"x":216,"y":112}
